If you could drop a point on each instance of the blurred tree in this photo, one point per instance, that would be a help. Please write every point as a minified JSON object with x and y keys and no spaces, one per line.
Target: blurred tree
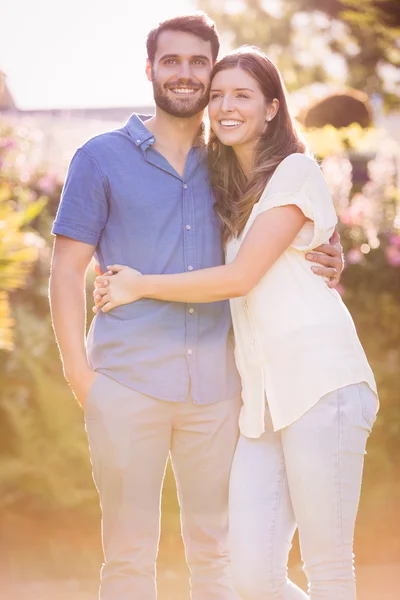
{"x":339,"y":110}
{"x":18,"y":246}
{"x":355,"y":44}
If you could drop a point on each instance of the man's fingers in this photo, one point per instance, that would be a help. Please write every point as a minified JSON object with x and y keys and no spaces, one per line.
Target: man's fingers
{"x":334,"y":281}
{"x":323,"y":249}
{"x":325,"y":260}
{"x":335,"y":238}
{"x":328,"y":272}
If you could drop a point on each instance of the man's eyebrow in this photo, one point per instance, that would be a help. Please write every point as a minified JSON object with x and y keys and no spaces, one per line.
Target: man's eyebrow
{"x":195,"y":56}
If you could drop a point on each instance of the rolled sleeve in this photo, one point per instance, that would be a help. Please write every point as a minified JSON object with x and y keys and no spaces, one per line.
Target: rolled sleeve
{"x":83,"y":209}
{"x":301,"y":183}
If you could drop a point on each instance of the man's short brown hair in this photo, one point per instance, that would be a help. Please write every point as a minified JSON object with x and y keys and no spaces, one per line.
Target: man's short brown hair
{"x":197,"y":23}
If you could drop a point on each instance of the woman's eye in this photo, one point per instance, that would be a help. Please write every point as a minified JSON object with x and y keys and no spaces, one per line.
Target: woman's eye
{"x":214,"y":96}
{"x":241,"y":96}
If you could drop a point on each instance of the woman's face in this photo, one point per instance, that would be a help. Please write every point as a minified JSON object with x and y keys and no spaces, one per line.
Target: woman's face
{"x":238,"y":110}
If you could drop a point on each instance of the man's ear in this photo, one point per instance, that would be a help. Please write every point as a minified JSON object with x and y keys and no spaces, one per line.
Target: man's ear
{"x":149,"y":70}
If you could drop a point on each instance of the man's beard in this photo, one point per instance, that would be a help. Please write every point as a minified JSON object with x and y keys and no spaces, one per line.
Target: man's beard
{"x":183,"y":108}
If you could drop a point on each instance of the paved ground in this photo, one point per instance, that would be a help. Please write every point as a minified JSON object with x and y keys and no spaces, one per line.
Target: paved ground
{"x":376,"y":582}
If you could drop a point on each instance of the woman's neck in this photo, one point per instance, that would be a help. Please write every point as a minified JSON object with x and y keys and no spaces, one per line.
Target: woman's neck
{"x":245,"y":156}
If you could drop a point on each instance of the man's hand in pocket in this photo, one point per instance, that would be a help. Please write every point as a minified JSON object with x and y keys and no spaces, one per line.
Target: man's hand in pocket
{"x":81,"y":382}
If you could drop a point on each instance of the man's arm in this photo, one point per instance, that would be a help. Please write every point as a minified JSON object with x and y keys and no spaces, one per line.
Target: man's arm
{"x":68,"y":310}
{"x":330,"y":257}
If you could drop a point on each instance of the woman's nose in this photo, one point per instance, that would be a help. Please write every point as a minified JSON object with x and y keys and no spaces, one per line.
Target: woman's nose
{"x":227,"y":104}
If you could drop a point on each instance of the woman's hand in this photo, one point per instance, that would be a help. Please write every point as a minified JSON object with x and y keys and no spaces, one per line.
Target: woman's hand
{"x":119,"y":285}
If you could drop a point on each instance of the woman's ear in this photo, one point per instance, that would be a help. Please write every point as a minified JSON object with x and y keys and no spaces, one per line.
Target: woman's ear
{"x":272,"y":110}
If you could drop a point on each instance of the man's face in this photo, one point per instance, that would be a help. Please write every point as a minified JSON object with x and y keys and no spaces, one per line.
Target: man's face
{"x":181,"y":73}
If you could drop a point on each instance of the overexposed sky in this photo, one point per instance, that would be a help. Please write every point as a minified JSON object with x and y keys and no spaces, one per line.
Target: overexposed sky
{"x":79,"y":53}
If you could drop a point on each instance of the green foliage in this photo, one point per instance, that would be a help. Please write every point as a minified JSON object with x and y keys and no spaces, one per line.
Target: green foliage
{"x":18,"y":250}
{"x":301,"y":36}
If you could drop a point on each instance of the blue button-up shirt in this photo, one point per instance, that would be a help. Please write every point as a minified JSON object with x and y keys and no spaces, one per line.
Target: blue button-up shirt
{"x":122,"y":196}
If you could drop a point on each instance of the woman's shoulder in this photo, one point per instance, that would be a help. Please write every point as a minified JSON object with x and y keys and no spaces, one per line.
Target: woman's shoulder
{"x":291,"y":174}
{"x":297,"y":163}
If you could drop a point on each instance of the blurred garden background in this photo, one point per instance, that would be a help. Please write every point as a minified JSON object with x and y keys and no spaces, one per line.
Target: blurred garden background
{"x":341,"y":63}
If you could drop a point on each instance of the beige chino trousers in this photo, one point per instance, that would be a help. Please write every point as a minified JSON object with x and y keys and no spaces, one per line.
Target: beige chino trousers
{"x":131,"y":436}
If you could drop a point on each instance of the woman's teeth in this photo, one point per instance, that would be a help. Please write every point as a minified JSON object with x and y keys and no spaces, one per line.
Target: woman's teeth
{"x":231,"y":123}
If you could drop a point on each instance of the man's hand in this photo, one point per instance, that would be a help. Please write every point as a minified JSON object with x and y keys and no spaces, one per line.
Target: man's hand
{"x":330,"y":257}
{"x":81,"y":381}
{"x":119,"y":285}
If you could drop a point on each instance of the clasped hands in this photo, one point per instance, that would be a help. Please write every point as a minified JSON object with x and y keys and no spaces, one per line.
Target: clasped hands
{"x":118,"y":285}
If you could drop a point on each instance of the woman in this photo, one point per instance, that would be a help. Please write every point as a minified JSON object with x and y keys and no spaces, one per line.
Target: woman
{"x":309,"y":395}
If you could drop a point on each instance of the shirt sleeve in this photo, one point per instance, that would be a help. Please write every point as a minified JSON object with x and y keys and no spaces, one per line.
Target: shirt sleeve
{"x":83,"y":209}
{"x":299,"y":181}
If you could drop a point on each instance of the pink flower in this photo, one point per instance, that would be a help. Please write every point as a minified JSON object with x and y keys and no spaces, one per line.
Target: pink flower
{"x":47,"y":183}
{"x":393,"y":255}
{"x":7,"y":144}
{"x":354,"y":256}
{"x":394,"y":240}
{"x":354,"y":214}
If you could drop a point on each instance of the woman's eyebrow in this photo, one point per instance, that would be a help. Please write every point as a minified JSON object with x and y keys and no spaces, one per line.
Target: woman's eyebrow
{"x":236,"y":90}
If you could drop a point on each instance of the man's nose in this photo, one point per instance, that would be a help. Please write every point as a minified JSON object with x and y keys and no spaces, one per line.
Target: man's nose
{"x":184,"y":71}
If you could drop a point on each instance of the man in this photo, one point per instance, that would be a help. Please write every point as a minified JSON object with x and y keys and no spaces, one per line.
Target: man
{"x":158,"y":378}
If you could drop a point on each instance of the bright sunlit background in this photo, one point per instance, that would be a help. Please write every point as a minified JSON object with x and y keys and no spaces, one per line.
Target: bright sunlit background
{"x":79,"y":53}
{"x":71,"y":69}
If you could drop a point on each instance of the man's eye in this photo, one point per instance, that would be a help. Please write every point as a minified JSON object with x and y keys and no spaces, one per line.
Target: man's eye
{"x":198,"y":62}
{"x":171,"y":61}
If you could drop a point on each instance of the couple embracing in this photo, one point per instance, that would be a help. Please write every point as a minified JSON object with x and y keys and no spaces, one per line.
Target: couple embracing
{"x":219,"y":339}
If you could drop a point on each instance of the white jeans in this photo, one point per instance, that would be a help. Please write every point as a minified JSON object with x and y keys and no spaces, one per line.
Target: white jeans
{"x":307,"y":475}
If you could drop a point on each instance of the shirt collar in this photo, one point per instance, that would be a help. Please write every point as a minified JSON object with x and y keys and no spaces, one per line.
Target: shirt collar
{"x":141,"y":136}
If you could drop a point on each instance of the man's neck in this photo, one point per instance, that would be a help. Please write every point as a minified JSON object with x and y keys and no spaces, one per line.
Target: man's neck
{"x":174,"y":132}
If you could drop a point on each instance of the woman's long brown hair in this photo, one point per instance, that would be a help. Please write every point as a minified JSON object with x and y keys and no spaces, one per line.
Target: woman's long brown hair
{"x":234,"y":193}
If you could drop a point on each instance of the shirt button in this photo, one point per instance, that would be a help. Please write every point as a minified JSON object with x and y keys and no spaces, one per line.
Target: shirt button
{"x":185,"y":186}
{"x":138,"y":141}
{"x":152,"y":141}
{"x":190,"y":351}
{"x":188,"y":227}
{"x":191,"y":310}
{"x":190,"y":268}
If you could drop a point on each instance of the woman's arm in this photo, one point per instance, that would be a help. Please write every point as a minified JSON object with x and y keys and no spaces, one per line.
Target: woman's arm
{"x":270,"y":235}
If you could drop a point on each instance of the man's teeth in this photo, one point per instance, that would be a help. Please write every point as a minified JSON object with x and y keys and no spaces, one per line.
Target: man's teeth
{"x":183,"y":90}
{"x":231,"y":123}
